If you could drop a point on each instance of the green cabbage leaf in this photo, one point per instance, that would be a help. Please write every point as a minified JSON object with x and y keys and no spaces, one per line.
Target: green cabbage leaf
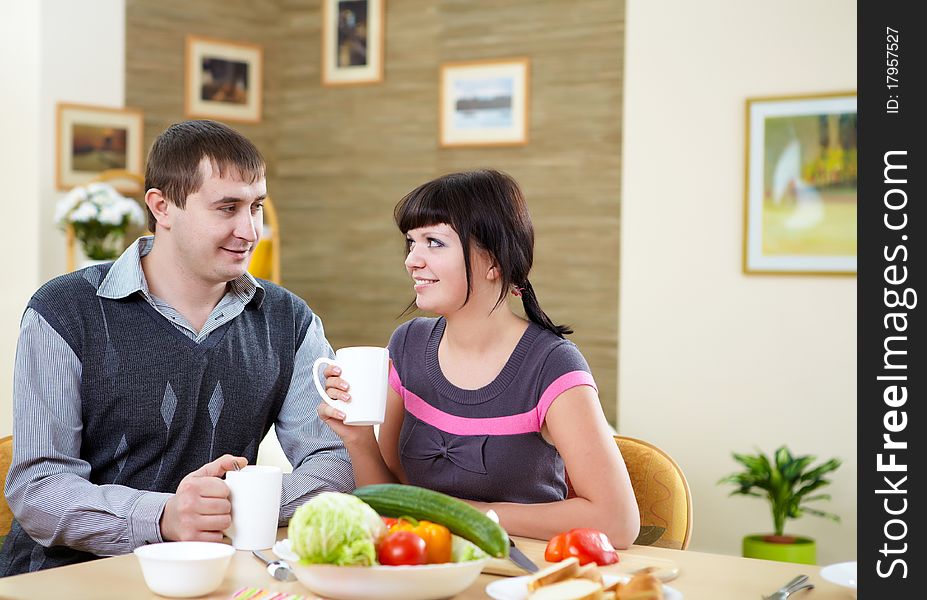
{"x":465,"y":551}
{"x":336,"y":529}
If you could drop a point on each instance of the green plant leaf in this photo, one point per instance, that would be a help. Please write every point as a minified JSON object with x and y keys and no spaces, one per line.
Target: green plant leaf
{"x":786,"y":481}
{"x":818,"y":497}
{"x":821,"y":513}
{"x":826,"y":467}
{"x":755,"y":466}
{"x":802,"y":491}
{"x":793,"y":470}
{"x":745,"y":493}
{"x":783,"y":458}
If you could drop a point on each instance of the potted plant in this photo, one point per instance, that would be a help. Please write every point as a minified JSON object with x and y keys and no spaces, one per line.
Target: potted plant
{"x":787,"y":482}
{"x":100,"y":216}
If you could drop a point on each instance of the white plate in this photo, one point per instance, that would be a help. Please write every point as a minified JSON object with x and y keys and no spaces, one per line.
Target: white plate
{"x":843,"y":574}
{"x":426,"y":582}
{"x":516,"y":588}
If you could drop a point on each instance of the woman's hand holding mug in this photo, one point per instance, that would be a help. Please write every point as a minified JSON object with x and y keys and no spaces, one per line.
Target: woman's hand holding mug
{"x":361,"y":402}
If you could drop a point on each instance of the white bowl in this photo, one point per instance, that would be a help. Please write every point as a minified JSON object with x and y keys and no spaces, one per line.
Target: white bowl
{"x":184,"y":569}
{"x":425,"y":582}
{"x":843,"y":574}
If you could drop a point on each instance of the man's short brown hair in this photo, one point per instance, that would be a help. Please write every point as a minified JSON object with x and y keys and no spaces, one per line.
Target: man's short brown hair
{"x":174,"y":160}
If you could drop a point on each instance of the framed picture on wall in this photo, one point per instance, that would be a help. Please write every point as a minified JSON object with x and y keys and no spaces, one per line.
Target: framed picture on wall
{"x":223,"y":80}
{"x":352,"y":42}
{"x":484,"y":103}
{"x":92,"y":139}
{"x":800,"y":198}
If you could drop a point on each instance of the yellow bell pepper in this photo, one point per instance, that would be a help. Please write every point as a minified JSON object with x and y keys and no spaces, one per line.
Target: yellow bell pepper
{"x":437,"y":537}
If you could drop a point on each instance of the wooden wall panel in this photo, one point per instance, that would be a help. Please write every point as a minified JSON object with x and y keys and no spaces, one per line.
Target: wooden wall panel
{"x":340,"y":158}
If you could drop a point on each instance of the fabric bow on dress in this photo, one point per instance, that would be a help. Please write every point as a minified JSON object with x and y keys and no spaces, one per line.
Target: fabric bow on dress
{"x":464,"y":451}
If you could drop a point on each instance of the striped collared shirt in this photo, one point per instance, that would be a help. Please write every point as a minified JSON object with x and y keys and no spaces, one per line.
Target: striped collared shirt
{"x":48,"y":485}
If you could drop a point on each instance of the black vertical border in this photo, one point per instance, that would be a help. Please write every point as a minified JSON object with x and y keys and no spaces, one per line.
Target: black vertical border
{"x":884,"y":256}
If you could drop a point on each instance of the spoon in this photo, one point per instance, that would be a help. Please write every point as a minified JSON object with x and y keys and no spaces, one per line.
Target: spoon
{"x":278,"y":569}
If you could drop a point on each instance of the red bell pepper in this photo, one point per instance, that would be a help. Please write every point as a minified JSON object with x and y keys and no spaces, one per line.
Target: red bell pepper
{"x":554,"y":550}
{"x":588,"y":545}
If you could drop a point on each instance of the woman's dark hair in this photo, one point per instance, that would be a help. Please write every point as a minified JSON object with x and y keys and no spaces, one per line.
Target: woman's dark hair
{"x":485,"y":208}
{"x":174,"y":160}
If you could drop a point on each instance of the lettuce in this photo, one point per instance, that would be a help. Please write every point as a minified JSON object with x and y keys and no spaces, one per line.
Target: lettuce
{"x":336,"y":529}
{"x":465,"y":551}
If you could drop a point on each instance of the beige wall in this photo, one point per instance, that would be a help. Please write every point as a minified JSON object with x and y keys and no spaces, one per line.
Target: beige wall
{"x":55,"y":51}
{"x":82,"y":62}
{"x":340,"y":159}
{"x":711,"y":360}
{"x":19,"y":166}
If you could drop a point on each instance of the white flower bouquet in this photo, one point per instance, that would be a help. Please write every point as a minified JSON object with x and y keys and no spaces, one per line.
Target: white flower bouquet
{"x":100,"y":216}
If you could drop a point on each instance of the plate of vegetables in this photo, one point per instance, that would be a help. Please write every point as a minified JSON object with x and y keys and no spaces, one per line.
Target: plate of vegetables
{"x":389,"y":542}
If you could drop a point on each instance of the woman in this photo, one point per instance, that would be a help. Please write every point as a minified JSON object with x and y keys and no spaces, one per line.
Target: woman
{"x":483,"y":404}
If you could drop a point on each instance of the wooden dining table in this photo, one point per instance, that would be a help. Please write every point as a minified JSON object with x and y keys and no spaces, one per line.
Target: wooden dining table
{"x":701,"y":575}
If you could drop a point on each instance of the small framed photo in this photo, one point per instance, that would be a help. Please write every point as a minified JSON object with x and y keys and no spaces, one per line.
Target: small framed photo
{"x":93,"y":139}
{"x":484,"y":103}
{"x":352,"y":42}
{"x":224,"y":80}
{"x":800,"y":197}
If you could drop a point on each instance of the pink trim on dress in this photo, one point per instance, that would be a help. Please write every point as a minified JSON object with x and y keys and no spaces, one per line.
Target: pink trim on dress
{"x":526,"y":422}
{"x":561,"y":384}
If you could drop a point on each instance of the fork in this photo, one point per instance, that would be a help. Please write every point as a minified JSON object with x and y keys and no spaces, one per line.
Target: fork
{"x":797,"y":584}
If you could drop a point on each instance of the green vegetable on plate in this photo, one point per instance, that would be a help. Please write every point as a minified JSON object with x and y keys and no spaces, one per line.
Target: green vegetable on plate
{"x":336,"y":529}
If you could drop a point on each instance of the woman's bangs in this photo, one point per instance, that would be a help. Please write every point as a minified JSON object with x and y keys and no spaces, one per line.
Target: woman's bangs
{"x":421,"y":209}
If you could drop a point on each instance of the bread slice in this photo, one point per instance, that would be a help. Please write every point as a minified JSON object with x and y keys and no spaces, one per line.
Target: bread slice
{"x":572,"y":589}
{"x":565,"y":569}
{"x":613,"y":587}
{"x":642,"y":586}
{"x":590,"y":572}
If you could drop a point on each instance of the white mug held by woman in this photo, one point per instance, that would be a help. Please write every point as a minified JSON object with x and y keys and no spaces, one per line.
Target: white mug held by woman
{"x":366,"y":368}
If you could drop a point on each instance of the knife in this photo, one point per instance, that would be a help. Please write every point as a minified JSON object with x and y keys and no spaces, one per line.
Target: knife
{"x":518,"y":557}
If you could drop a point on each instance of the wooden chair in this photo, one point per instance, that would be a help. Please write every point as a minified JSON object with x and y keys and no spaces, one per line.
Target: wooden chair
{"x":6,"y":457}
{"x":265,"y":263}
{"x":662,"y":493}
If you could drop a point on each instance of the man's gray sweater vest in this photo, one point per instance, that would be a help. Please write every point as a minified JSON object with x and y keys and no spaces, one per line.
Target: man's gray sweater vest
{"x":155,"y":404}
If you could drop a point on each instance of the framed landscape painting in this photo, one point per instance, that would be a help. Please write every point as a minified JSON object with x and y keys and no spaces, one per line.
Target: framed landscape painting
{"x":223,"y":80}
{"x":800,"y":196}
{"x":93,"y":139}
{"x":484,"y":103}
{"x":352,"y":42}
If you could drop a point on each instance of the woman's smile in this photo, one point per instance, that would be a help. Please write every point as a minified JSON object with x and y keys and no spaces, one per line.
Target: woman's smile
{"x":422,"y":283}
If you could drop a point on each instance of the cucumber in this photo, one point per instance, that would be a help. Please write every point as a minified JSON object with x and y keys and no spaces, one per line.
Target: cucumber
{"x":397,"y":500}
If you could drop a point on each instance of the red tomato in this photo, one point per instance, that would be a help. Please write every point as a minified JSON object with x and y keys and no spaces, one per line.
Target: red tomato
{"x":402,"y":548}
{"x":588,"y":545}
{"x":554,"y":550}
{"x":389,"y":521}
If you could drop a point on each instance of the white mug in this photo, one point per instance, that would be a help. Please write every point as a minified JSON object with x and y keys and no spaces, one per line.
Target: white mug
{"x":366,"y":369}
{"x":255,"y":496}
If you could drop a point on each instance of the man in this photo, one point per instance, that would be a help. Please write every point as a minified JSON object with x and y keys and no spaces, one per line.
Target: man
{"x":138,"y":384}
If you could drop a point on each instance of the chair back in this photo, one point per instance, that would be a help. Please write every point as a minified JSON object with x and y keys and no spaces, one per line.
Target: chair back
{"x":662,"y":493}
{"x":129,"y":184}
{"x":265,"y":262}
{"x":6,"y":457}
